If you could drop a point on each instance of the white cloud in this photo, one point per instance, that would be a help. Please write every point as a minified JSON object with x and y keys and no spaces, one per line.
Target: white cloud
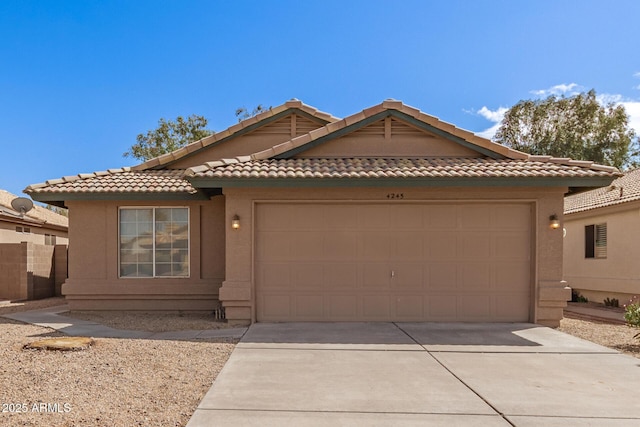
{"x":494,"y":116}
{"x":633,"y":111}
{"x":637,"y":75}
{"x":561,"y":89}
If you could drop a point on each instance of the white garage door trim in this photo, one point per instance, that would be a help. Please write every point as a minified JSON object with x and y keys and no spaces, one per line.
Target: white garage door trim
{"x":393,"y":261}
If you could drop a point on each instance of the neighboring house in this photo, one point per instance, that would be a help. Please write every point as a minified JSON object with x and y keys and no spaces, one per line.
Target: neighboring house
{"x":295,"y":215}
{"x":33,"y":251}
{"x":39,"y":225}
{"x":602,"y":242}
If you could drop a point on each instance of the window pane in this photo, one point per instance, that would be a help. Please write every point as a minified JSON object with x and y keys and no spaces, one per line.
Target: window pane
{"x":167,"y":249}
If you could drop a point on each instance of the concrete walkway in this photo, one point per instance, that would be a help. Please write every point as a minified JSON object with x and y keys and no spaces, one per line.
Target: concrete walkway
{"x":51,"y":317}
{"x":422,"y":374}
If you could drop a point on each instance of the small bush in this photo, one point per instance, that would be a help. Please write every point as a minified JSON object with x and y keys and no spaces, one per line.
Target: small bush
{"x":613,"y":302}
{"x":577,"y":297}
{"x":632,"y":314}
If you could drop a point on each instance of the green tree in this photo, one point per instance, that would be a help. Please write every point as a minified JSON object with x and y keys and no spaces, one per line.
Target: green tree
{"x":168,"y":136}
{"x":577,"y":127}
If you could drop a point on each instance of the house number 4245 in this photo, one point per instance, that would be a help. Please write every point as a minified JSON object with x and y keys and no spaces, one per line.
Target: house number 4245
{"x":395,"y":196}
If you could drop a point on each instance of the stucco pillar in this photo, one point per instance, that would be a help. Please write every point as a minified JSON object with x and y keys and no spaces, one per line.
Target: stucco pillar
{"x":552,"y":291}
{"x":236,"y":291}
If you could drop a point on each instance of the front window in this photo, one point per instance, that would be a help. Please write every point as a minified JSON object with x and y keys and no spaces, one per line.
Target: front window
{"x":154,"y":242}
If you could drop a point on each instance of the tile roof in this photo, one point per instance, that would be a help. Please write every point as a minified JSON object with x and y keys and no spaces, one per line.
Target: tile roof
{"x":211,"y":139}
{"x":38,"y":214}
{"x":622,"y":190}
{"x":248,"y":168}
{"x":117,"y":181}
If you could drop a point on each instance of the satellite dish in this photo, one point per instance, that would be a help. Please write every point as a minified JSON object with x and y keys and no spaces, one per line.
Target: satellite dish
{"x":22,"y":205}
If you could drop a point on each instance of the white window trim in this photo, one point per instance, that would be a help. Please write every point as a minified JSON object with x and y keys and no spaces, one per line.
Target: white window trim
{"x":153,"y":208}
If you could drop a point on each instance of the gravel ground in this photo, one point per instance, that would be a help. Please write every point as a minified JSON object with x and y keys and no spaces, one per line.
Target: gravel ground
{"x":125,"y":382}
{"x":116,"y":382}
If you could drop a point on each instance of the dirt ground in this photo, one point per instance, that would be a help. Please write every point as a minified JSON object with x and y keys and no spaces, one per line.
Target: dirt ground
{"x":130,"y":382}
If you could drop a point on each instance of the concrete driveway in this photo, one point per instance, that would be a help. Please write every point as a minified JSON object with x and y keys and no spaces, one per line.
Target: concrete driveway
{"x":454,"y":374}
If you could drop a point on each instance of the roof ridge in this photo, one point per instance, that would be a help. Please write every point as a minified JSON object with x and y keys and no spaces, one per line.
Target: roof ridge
{"x":231,"y":130}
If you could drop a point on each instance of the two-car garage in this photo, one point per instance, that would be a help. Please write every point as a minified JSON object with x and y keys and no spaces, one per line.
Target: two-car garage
{"x":393,"y":261}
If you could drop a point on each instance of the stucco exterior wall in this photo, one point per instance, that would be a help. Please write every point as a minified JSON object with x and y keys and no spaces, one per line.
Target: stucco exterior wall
{"x":549,"y":293}
{"x":8,"y":234}
{"x":617,"y":275}
{"x":94,"y":282}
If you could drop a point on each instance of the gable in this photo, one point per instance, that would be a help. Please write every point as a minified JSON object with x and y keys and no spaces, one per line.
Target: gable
{"x":389,"y":137}
{"x":258,"y":139}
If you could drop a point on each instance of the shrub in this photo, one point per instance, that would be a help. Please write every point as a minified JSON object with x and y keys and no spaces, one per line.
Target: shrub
{"x":613,"y":302}
{"x":632,"y":314}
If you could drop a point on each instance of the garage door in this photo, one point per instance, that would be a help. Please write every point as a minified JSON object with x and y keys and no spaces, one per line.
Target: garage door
{"x":393,"y":262}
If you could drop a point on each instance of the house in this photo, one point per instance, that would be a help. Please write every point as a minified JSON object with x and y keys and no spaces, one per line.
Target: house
{"x":602,"y":242}
{"x":39,"y":225}
{"x":33,"y":251}
{"x":296,"y":215}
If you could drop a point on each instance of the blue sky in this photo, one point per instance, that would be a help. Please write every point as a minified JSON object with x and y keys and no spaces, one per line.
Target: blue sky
{"x":80,"y":79}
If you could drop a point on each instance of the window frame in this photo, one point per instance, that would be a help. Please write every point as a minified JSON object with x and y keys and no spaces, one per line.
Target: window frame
{"x":154,"y":262}
{"x":595,"y":241}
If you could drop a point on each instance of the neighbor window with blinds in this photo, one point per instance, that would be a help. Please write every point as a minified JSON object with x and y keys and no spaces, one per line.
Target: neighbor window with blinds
{"x":154,"y":242}
{"x":595,"y":238}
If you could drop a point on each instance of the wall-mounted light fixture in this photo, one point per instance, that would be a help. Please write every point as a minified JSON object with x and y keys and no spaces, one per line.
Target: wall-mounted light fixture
{"x":235,"y":222}
{"x":554,"y":222}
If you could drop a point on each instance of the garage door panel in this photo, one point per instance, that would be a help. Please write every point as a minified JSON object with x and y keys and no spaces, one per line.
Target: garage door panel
{"x":376,"y":307}
{"x":272,"y":246}
{"x":375,"y":276}
{"x":474,"y":245}
{"x":275,"y":306}
{"x":405,"y":217}
{"x":476,"y":307}
{"x":511,"y":245}
{"x":275,"y":275}
{"x":409,"y":307}
{"x":340,"y":217}
{"x":309,"y":307}
{"x":340,"y":277}
{"x":474,"y":217}
{"x":440,"y":245}
{"x":508,"y":307}
{"x":338,"y":246}
{"x":407,"y":246}
{"x":306,"y":276}
{"x":407,"y":276}
{"x":511,"y":217}
{"x":373,"y":216}
{"x":393,"y":262}
{"x":442,"y":307}
{"x":343,"y":307}
{"x":305,"y":246}
{"x":442,"y":217}
{"x":509,"y":274}
{"x":442,"y":276}
{"x":374,"y":246}
{"x":474,"y":276}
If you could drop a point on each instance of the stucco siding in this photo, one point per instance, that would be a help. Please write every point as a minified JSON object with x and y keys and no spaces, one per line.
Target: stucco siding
{"x":548,"y":290}
{"x":617,"y":275}
{"x":94,"y":281}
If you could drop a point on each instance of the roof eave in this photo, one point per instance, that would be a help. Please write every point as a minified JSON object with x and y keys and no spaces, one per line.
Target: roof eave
{"x":205,"y":182}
